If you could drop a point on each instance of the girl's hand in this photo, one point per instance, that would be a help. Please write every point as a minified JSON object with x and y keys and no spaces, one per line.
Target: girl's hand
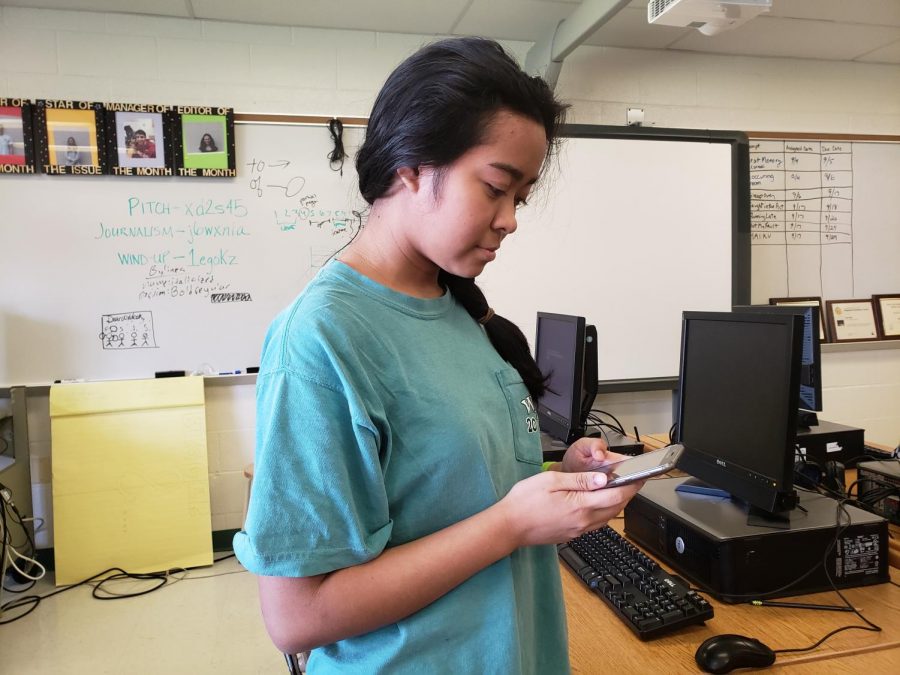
{"x":553,"y":507}
{"x":585,"y":454}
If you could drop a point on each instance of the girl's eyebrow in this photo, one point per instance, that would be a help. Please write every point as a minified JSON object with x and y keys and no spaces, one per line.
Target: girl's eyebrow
{"x":512,"y":171}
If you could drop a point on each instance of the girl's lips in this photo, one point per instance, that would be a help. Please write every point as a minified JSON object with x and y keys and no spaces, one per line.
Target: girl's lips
{"x":489,"y":253}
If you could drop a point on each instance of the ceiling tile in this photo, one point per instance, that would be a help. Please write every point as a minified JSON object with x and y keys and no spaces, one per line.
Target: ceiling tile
{"x":26,"y":17}
{"x":513,"y":19}
{"x":872,"y":12}
{"x":629,"y":28}
{"x":888,"y":54}
{"x":841,"y":30}
{"x":158,"y":7}
{"x":800,"y":38}
{"x":425,"y":17}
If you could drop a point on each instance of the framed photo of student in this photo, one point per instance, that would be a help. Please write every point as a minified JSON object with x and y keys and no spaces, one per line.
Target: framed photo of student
{"x":139,"y":139}
{"x":824,"y":334}
{"x":852,"y":320}
{"x":205,"y":143}
{"x":16,"y":136}
{"x":887,"y":309}
{"x":69,"y":137}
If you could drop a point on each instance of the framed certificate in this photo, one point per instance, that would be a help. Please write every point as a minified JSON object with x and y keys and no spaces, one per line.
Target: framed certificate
{"x":887,"y":309}
{"x":812,"y":301}
{"x":852,"y":320}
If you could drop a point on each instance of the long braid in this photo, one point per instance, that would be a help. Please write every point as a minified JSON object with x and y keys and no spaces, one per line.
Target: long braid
{"x":506,"y":337}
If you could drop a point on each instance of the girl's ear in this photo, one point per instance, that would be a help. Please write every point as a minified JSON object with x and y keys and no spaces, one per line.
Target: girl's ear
{"x":409,"y":178}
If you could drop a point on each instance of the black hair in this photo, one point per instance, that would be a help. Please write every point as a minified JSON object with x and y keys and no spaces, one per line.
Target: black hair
{"x":434,"y":107}
{"x":212,"y":142}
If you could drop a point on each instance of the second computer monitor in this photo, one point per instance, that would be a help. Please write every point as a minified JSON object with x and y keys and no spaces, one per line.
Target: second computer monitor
{"x":811,"y":363}
{"x":739,"y":384}
{"x":566,"y":353}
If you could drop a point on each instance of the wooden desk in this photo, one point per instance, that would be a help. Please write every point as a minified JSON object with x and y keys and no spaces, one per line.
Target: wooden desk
{"x":600,"y":643}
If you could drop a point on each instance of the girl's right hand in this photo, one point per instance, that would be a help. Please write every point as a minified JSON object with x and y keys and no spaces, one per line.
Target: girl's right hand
{"x":553,"y":507}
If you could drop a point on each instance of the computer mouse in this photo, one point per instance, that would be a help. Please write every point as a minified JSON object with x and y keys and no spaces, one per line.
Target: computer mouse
{"x":724,"y":653}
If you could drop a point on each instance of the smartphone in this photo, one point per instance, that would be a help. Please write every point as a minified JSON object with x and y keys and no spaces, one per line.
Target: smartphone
{"x":642,"y":466}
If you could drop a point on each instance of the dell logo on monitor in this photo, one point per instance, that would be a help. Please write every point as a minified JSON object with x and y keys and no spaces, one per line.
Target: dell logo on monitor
{"x":721,"y":463}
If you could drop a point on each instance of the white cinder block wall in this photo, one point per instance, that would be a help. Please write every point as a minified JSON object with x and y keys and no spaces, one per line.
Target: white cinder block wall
{"x":255,"y":68}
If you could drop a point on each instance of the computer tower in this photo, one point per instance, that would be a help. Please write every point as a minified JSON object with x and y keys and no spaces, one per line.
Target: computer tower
{"x":879,"y":488}
{"x":827,"y":441}
{"x":709,"y":541}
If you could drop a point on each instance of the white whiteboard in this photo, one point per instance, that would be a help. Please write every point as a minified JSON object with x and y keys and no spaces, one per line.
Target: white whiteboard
{"x":825,"y":218}
{"x":628,"y":232}
{"x":112,"y":277}
{"x":628,"y":235}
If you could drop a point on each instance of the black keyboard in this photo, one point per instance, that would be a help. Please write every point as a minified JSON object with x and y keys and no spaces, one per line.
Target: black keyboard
{"x":649,"y":600}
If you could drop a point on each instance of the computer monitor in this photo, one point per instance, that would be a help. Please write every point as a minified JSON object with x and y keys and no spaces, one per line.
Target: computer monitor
{"x":810,"y":362}
{"x":737,"y":412}
{"x":566,"y":353}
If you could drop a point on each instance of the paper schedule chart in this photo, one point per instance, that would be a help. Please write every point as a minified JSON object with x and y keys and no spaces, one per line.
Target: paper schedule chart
{"x":802,"y":206}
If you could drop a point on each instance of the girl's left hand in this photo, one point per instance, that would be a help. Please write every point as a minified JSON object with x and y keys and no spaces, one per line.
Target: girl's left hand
{"x":586,"y":454}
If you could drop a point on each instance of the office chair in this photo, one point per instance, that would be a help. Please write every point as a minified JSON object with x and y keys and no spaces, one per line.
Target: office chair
{"x":296,"y":663}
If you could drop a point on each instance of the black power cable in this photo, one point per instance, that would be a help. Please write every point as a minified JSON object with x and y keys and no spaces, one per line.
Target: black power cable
{"x":337,"y":156}
{"x":594,"y":417}
{"x":839,"y":530}
{"x":99,"y":592}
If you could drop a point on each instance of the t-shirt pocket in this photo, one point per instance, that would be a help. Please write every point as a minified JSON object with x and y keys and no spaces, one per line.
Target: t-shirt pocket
{"x":523,"y":416}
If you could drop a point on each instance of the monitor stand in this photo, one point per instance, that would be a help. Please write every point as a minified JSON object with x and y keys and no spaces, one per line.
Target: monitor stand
{"x":806,"y":419}
{"x":760,"y":518}
{"x":697,"y":486}
{"x":755,"y":516}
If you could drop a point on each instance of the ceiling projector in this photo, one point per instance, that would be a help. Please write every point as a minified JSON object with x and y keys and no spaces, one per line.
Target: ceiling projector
{"x":707,"y":16}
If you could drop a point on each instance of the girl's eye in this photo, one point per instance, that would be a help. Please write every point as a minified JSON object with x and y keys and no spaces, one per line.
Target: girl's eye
{"x":496,"y":193}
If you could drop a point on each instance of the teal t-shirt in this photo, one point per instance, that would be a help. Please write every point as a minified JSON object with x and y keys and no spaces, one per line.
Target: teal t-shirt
{"x":382,"y":418}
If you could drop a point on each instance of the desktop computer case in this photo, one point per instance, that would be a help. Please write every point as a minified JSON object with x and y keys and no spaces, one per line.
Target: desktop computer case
{"x":707,"y":539}
{"x":874,"y":479}
{"x":828,"y":441}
